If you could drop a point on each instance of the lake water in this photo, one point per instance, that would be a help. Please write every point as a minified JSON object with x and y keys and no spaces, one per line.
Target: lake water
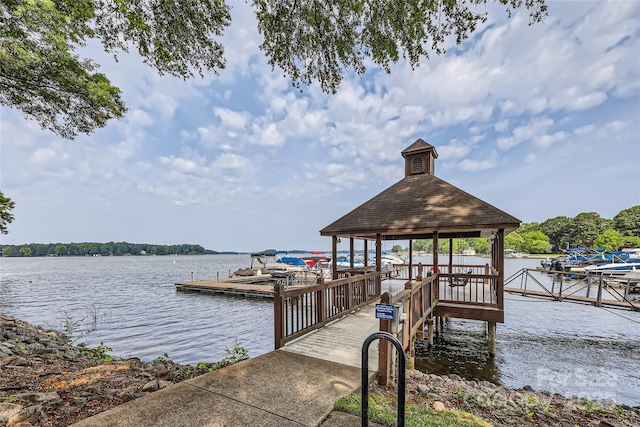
{"x":566,"y":348}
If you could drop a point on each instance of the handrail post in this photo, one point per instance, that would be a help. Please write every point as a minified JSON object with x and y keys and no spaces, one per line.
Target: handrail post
{"x":486,"y":273}
{"x":384,"y":353}
{"x":278,"y":312}
{"x":386,"y":336}
{"x":320,"y":296}
{"x":348,"y":303}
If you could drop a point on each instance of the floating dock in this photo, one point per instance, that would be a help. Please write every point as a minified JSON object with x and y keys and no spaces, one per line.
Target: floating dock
{"x":260,"y":286}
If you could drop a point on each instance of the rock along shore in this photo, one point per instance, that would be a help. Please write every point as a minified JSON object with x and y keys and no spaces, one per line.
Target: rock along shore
{"x":47,"y":382}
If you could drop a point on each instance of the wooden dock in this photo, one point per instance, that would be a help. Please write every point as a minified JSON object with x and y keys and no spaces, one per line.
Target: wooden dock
{"x":252,"y":286}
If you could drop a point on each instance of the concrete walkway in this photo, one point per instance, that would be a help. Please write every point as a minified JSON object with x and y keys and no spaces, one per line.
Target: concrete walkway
{"x":294,"y":386}
{"x":279,"y":388}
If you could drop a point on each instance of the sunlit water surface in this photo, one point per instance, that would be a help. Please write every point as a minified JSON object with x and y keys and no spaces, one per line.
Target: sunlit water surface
{"x":566,"y":348}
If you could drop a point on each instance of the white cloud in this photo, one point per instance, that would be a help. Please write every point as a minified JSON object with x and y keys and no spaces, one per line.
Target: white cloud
{"x":231,"y":161}
{"x":470,"y":165}
{"x":453,"y":151}
{"x":544,"y":141}
{"x":503,"y":110}
{"x":524,"y":133}
{"x":185,"y":166}
{"x":232,"y":119}
{"x":530,"y":158}
{"x":616,"y":125}
{"x":44,"y":156}
{"x":266,"y":134}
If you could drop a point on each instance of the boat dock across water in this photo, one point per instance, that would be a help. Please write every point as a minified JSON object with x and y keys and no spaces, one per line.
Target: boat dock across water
{"x":260,"y":286}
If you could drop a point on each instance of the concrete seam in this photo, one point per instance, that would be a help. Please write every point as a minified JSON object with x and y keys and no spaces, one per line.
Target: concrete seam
{"x":245,"y":403}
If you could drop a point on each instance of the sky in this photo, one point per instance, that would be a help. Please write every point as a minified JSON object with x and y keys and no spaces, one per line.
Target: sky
{"x":539,"y":120}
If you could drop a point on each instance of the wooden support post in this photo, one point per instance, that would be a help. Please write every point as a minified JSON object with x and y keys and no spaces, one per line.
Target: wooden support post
{"x":430,"y":332}
{"x":450,"y":256}
{"x":366,"y":253}
{"x":491,"y":338}
{"x":320,"y":298}
{"x":379,"y":263}
{"x":599,"y":298}
{"x":384,"y":347}
{"x":561,"y":283}
{"x":410,"y":260}
{"x":349,"y":292}
{"x":435,"y":252}
{"x":626,"y":290}
{"x":438,"y":325}
{"x":420,"y":332}
{"x":588,"y":285}
{"x":412,"y":353}
{"x":351,"y":252}
{"x":334,"y":258}
{"x":278,"y":313}
{"x":486,"y":273}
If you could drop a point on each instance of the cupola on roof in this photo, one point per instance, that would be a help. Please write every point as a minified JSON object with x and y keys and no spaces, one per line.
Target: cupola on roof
{"x":421,"y":204}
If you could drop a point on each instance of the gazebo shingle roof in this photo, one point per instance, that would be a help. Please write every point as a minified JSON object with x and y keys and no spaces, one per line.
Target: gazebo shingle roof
{"x":421,"y":204}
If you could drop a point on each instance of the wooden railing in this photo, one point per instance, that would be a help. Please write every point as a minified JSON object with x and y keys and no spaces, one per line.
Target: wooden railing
{"x":469,"y":288}
{"x":401,"y":271}
{"x":300,"y":310}
{"x":475,"y":284}
{"x":418,"y":301}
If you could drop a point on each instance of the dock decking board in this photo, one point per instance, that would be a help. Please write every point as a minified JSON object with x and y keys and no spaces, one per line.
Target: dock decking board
{"x":229,"y":287}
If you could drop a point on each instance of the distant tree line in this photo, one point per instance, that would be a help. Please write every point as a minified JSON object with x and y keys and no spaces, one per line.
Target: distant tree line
{"x":99,"y":249}
{"x":587,"y":229}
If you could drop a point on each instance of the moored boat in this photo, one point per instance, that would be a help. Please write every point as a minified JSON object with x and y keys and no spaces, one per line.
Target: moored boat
{"x":613,"y":267}
{"x":345,"y":262}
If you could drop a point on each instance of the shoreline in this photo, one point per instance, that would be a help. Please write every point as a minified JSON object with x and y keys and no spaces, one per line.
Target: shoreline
{"x":46,"y":381}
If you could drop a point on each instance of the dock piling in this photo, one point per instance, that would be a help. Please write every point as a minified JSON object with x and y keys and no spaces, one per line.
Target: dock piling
{"x":491,"y":338}
{"x":561,"y":283}
{"x":430,"y":332}
{"x":599,"y":297}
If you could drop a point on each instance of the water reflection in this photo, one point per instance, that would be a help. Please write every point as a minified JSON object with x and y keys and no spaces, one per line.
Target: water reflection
{"x":461,"y":349}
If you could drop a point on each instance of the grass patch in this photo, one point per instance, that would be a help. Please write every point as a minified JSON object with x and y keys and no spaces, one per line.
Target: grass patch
{"x":382,"y":411}
{"x":589,"y":407}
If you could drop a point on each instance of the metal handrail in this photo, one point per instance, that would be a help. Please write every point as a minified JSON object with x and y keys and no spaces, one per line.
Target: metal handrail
{"x":365,"y":376}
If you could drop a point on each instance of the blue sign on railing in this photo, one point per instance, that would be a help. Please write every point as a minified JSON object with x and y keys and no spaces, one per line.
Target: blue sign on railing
{"x":384,"y":311}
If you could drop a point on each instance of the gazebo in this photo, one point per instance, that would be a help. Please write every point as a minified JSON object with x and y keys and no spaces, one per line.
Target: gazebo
{"x":422,"y":206}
